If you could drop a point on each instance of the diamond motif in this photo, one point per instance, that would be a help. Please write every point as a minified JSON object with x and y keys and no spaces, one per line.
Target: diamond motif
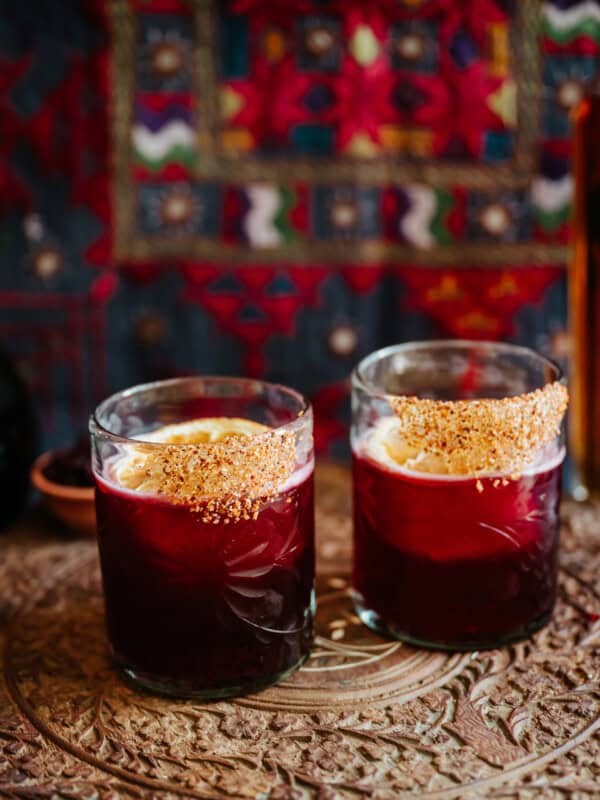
{"x":364,"y":45}
{"x":318,"y":43}
{"x":407,"y":97}
{"x":414,"y":46}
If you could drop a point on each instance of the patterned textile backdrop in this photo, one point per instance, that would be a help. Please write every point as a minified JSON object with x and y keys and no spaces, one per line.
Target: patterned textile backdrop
{"x":277,"y":187}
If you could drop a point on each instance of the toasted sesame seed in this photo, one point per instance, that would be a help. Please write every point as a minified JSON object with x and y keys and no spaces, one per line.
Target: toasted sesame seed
{"x":230,"y":479}
{"x":479,"y":437}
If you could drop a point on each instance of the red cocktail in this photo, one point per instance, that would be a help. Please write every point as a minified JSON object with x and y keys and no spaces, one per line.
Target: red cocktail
{"x":452,"y":548}
{"x":202,"y":605}
{"x":451,"y":562}
{"x":208,"y":595}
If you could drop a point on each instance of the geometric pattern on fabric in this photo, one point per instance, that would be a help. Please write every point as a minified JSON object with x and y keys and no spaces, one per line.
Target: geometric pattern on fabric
{"x":278,"y":188}
{"x":407,"y":130}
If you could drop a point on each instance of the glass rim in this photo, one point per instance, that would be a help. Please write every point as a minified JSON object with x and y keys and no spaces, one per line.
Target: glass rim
{"x":96,"y":428}
{"x":359,"y":380}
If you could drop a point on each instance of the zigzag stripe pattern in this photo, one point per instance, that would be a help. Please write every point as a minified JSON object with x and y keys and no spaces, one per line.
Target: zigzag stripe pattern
{"x":564,"y":25}
{"x":175,"y":142}
{"x":443,"y":204}
{"x":416,"y":223}
{"x":551,"y":201}
{"x":550,"y":195}
{"x":259,"y":223}
{"x":154,"y":120}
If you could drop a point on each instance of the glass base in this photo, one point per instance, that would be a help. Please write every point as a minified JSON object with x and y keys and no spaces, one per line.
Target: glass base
{"x":374,"y":621}
{"x":183,"y":690}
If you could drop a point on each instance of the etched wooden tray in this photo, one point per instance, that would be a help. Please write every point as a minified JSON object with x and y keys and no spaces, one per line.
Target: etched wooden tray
{"x":364,"y":717}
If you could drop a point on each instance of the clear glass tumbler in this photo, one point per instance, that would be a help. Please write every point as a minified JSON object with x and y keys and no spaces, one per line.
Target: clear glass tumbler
{"x":204,"y":498}
{"x":457,"y":451}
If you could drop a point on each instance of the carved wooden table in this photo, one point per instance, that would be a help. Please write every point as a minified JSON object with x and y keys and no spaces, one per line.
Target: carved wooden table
{"x":364,"y":717}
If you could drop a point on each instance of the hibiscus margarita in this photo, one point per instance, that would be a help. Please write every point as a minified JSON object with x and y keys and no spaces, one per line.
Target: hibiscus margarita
{"x":206,"y":536}
{"x":456,"y":495}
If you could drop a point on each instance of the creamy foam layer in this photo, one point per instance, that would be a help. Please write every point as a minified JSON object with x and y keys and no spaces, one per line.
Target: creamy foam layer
{"x":110,"y":479}
{"x":385,"y":445}
{"x":137,"y":470}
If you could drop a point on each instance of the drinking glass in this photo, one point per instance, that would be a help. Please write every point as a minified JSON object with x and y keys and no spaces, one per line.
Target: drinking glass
{"x":204,"y":498}
{"x":457,"y":450}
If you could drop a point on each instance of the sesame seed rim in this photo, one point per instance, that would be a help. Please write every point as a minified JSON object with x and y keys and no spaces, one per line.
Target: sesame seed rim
{"x":305,"y":411}
{"x":484,"y":436}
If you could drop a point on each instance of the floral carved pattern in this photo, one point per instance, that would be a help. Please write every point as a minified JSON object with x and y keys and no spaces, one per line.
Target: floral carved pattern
{"x":364,"y":717}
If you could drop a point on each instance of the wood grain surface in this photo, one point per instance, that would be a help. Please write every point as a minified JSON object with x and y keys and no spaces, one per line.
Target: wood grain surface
{"x":365,"y":717}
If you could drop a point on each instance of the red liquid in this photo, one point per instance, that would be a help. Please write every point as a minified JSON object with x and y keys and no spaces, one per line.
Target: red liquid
{"x":444,"y":564}
{"x":193,"y":607}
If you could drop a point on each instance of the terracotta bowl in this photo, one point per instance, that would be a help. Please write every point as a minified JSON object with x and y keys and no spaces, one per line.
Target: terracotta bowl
{"x":73,"y":505}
